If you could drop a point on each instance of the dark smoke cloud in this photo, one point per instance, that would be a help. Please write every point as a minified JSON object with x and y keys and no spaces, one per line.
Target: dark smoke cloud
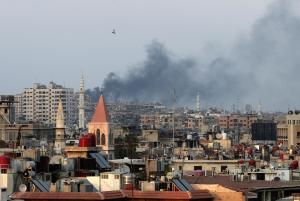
{"x":263,"y":66}
{"x":157,"y":77}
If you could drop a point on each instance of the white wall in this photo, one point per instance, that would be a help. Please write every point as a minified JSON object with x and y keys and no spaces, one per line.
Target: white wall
{"x":110,"y":184}
{"x":6,"y":181}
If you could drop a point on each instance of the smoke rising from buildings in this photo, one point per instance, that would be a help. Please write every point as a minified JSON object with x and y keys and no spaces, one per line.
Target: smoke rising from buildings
{"x":262,"y":66}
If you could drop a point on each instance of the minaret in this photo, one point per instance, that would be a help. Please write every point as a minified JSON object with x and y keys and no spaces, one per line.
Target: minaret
{"x":81,"y":117}
{"x":259,"y":109}
{"x":60,"y":128}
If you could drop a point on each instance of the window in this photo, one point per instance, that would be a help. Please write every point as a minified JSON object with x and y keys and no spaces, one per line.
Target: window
{"x":197,"y":167}
{"x":117,"y":176}
{"x":298,"y":134}
{"x":223,"y":168}
{"x":104,"y":176}
{"x":103,"y":139}
{"x":180,"y":167}
{"x":3,"y":171}
{"x":98,"y":136}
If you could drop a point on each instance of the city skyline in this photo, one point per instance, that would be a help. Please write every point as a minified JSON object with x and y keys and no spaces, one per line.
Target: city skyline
{"x":70,"y":43}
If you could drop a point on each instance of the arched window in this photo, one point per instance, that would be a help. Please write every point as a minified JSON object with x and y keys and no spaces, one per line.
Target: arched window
{"x":98,"y":137}
{"x":102,"y":139}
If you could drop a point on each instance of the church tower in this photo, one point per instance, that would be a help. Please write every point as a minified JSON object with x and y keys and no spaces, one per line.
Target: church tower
{"x":100,"y":126}
{"x":59,"y":129}
{"x":81,"y":123}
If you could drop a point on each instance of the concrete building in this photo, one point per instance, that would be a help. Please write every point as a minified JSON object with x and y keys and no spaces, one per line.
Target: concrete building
{"x":165,"y":120}
{"x":233,"y":121}
{"x":264,"y":132}
{"x":11,"y":131}
{"x":293,"y":123}
{"x":18,"y":104}
{"x":108,"y":181}
{"x":39,"y":103}
{"x":101,"y":127}
{"x":288,"y":131}
{"x":282,"y":135}
{"x":6,"y":109}
{"x":215,"y":166}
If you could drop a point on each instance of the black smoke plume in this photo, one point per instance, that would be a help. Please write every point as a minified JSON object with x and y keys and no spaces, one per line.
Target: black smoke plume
{"x":265,"y":65}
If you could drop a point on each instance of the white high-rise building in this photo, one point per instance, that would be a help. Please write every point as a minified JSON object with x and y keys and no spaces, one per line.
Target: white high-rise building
{"x":40,"y":103}
{"x":81,"y":107}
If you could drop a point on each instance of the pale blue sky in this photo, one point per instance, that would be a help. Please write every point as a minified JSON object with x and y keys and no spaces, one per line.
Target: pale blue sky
{"x":58,"y":40}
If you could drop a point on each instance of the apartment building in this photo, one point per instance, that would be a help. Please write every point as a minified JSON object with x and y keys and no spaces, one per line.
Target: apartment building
{"x":39,"y":103}
{"x":293,"y":124}
{"x":232,"y":121}
{"x":288,"y":130}
{"x":165,"y":120}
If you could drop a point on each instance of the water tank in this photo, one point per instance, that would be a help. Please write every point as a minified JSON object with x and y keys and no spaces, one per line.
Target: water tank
{"x":294,"y":165}
{"x":68,"y":164}
{"x":128,"y":181}
{"x":224,"y":136}
{"x":30,"y":165}
{"x":249,"y":150}
{"x":4,"y":162}
{"x":44,"y":164}
{"x":92,"y":139}
{"x":219,"y":136}
{"x":84,"y":142}
{"x":252,"y":162}
{"x":281,"y":156}
{"x":16,"y":165}
{"x":241,"y":161}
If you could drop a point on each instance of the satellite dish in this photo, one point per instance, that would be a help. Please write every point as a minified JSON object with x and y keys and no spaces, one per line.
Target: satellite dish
{"x":219,"y":136}
{"x":22,"y":188}
{"x":276,"y":179}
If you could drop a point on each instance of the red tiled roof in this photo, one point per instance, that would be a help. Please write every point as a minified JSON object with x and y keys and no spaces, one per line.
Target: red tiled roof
{"x":175,"y":195}
{"x":114,"y":195}
{"x":100,"y":114}
{"x":57,"y":196}
{"x":199,"y":194}
{"x":107,"y":195}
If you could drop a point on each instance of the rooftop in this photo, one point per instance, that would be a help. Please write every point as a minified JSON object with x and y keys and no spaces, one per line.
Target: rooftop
{"x":244,"y":186}
{"x":114,"y":195}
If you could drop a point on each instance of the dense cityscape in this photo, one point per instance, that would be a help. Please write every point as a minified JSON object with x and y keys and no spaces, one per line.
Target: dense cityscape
{"x":56,"y":143}
{"x":150,"y":100}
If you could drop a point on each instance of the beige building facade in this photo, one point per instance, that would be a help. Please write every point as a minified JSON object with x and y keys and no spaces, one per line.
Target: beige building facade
{"x":288,"y":133}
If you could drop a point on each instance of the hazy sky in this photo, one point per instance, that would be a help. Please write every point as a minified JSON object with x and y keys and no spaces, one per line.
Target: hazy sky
{"x":58,"y":40}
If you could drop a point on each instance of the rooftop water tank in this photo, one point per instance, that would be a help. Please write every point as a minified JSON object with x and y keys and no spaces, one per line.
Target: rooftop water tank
{"x":84,"y":142}
{"x":4,"y":162}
